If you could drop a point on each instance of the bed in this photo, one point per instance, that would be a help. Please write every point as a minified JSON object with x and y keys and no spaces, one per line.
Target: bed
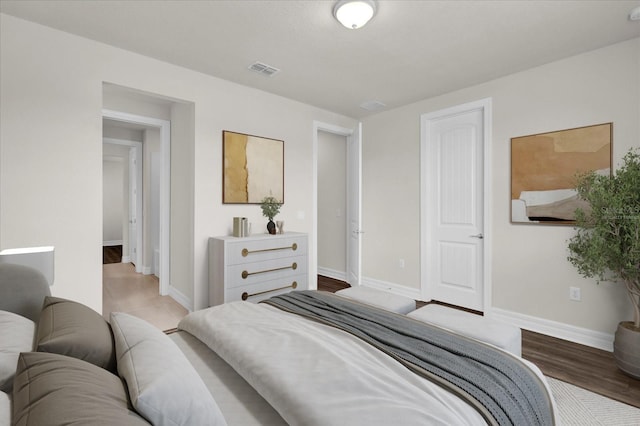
{"x":267,"y":365}
{"x":302,"y":358}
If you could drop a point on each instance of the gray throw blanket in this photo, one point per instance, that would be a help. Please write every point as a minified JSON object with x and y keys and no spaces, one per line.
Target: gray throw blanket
{"x":500,"y":387}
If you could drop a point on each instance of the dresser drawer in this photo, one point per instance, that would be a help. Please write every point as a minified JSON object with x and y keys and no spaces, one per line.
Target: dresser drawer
{"x":266,"y":289}
{"x":259,"y":265}
{"x":239,"y":252}
{"x":255,"y":272}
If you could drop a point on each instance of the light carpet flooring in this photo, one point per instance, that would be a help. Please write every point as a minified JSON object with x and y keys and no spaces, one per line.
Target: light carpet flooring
{"x":580,"y":407}
{"x":124,"y":290}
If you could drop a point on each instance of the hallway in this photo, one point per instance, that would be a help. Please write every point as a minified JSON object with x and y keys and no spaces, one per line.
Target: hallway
{"x":124,"y":290}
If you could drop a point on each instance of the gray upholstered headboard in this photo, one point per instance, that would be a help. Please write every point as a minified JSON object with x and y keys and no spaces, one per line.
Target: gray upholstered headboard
{"x":22,"y":290}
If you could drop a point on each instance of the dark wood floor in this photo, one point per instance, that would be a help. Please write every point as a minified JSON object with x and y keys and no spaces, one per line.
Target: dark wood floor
{"x":580,"y":365}
{"x":111,"y":254}
{"x":583,"y":366}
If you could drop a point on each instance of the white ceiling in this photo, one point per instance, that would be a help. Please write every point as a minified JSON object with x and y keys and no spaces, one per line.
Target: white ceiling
{"x":411,"y":50}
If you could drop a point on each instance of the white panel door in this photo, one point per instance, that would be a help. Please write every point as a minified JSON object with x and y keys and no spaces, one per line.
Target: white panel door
{"x":354,"y":243}
{"x":454,"y":207}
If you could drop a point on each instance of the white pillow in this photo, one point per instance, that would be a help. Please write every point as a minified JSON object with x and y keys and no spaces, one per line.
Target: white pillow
{"x":16,"y":335}
{"x":163,"y":386}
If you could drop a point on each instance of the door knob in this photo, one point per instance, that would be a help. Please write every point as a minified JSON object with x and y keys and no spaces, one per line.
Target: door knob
{"x":479,"y":236}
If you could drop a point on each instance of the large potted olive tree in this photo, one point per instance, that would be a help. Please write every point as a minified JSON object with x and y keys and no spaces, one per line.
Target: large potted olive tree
{"x":607,"y":245}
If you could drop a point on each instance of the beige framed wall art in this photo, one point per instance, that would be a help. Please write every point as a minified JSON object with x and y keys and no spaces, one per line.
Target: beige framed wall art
{"x":544,"y":169}
{"x":253,"y":168}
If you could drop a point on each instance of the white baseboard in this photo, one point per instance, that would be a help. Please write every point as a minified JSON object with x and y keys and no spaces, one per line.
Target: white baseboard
{"x":412,"y":293}
{"x":584,"y":336}
{"x":332,"y":273}
{"x":111,"y":243}
{"x":179,"y":297}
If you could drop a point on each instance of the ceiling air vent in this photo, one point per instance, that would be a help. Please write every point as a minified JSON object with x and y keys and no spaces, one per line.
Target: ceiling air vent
{"x":373,"y":105}
{"x":263,"y":69}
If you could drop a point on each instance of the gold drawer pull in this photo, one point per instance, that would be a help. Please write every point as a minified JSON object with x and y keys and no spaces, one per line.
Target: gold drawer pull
{"x":246,"y":252}
{"x":246,"y":295}
{"x":293,"y":266}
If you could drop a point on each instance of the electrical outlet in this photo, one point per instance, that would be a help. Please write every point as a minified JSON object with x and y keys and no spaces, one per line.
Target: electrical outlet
{"x":401,"y":263}
{"x":574,"y":294}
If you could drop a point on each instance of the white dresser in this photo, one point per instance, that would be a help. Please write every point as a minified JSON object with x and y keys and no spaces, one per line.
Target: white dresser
{"x":256,"y":267}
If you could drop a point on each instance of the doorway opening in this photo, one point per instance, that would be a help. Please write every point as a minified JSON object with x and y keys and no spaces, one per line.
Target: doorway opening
{"x":148,"y":241}
{"x":332,"y":205}
{"x":337,"y":200}
{"x":122,"y":190}
{"x":133,"y":153}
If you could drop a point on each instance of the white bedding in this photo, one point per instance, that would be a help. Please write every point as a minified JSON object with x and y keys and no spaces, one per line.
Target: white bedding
{"x":314,"y":374}
{"x":241,"y":405}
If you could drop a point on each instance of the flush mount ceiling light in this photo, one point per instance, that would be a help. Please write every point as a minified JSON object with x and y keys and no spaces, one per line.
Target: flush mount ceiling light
{"x":354,"y":14}
{"x":635,"y":14}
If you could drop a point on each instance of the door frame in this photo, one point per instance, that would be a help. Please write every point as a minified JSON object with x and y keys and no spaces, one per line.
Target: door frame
{"x":164,"y":127}
{"x":486,"y":106}
{"x":353,"y":190}
{"x":136,"y":148}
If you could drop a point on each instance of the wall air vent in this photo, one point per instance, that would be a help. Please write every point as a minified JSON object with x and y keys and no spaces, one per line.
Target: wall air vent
{"x":264,"y":69}
{"x":373,"y":105}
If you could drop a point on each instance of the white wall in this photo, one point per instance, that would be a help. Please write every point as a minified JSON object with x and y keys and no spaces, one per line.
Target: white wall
{"x":109,"y":130}
{"x":182,"y":200}
{"x":156,"y":168}
{"x":531,"y":276}
{"x":150,"y":146}
{"x":129,"y":100}
{"x":51,"y":90}
{"x":112,"y":196}
{"x":391,"y":199}
{"x":332,"y":198}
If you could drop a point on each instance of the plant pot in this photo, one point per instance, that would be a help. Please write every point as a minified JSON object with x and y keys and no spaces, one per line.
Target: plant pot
{"x":626,"y":349}
{"x":271,"y":227}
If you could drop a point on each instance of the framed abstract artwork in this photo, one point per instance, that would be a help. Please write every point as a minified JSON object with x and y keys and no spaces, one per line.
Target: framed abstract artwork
{"x":253,"y":168}
{"x":544,"y":169}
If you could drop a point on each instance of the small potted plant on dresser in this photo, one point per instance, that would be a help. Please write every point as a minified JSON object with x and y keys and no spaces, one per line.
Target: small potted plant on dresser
{"x":270,"y":208}
{"x":607,"y":245}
